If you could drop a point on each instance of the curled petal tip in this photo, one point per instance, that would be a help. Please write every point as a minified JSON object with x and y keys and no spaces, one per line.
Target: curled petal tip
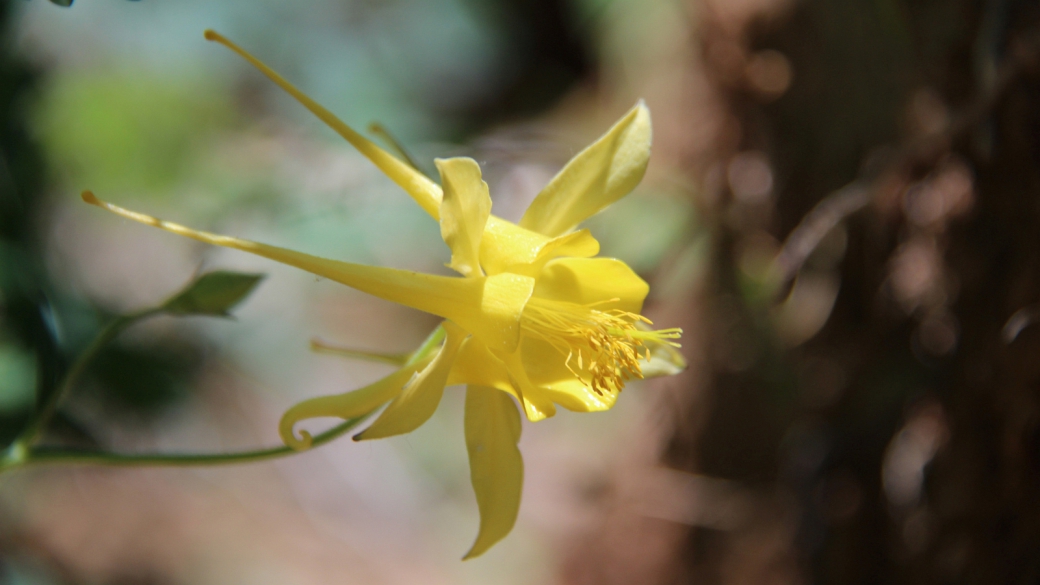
{"x":301,"y":443}
{"x":89,"y":197}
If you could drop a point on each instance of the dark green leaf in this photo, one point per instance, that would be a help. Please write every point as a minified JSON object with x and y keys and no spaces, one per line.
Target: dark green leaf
{"x":213,"y":293}
{"x":65,"y":3}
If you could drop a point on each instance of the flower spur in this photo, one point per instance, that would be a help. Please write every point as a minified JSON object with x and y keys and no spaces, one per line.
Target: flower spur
{"x":534,"y":316}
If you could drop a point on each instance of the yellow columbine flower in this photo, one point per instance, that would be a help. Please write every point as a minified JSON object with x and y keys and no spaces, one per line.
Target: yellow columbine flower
{"x":534,"y":316}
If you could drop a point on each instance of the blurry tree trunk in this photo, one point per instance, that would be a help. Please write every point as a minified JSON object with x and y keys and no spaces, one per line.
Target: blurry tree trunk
{"x":900,"y":443}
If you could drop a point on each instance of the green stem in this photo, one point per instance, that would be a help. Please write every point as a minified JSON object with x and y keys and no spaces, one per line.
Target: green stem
{"x":42,"y":416}
{"x":23,"y":452}
{"x":51,"y":455}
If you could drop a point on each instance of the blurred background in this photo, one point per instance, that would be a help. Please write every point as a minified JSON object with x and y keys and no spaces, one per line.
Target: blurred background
{"x":841,"y":211}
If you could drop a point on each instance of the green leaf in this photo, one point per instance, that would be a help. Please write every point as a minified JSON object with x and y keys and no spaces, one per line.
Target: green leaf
{"x":213,"y":293}
{"x":65,"y":3}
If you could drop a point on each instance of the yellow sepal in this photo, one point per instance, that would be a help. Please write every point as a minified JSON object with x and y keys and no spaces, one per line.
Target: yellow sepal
{"x":496,"y":467}
{"x":346,"y":406}
{"x":604,"y":172}
{"x":420,"y":397}
{"x":487,"y":307}
{"x":465,"y":209}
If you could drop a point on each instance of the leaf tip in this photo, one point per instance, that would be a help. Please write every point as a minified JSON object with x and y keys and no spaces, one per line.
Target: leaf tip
{"x":213,"y":294}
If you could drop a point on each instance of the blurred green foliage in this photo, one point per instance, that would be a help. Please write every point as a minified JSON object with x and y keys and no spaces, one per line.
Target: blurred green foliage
{"x":17,"y":378}
{"x":129,"y":131}
{"x":142,"y":381}
{"x":643,"y":227}
{"x":43,"y":326}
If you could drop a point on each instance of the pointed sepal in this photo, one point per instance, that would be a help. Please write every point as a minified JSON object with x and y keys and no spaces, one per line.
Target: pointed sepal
{"x":421,"y":395}
{"x":604,"y":172}
{"x":464,"y":212}
{"x":492,"y":425}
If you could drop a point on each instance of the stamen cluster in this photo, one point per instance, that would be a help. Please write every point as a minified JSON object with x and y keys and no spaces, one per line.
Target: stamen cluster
{"x":604,"y":345}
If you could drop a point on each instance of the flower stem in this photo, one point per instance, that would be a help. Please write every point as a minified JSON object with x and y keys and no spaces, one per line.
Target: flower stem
{"x":51,"y":455}
{"x":24,"y":452}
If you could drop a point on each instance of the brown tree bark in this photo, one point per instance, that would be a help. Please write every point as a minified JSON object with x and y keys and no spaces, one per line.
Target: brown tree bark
{"x":899,"y":443}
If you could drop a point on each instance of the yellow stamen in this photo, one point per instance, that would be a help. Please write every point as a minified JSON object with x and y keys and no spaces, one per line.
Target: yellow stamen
{"x":606,"y":343}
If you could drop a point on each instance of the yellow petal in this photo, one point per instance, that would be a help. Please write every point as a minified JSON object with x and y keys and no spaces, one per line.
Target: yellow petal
{"x":571,"y":394}
{"x":346,"y":406}
{"x":495,"y":465}
{"x":593,"y":280}
{"x":477,"y":365}
{"x":537,"y":406}
{"x":548,"y":376}
{"x":502,"y":304}
{"x":420,"y":397}
{"x":546,"y":367}
{"x":506,"y":244}
{"x":488,"y":307}
{"x":425,"y":192}
{"x":464,"y":212}
{"x":507,"y":247}
{"x":579,"y":244}
{"x":362,"y":401}
{"x":599,"y":175}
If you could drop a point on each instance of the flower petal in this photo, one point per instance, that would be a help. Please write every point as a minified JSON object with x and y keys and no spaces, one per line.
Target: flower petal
{"x":424,"y":191}
{"x":537,"y":406}
{"x":420,"y":397}
{"x":477,"y":365}
{"x":495,"y":465}
{"x":599,"y":175}
{"x":362,"y":401}
{"x":346,"y":406}
{"x":579,"y":244}
{"x":548,"y":378}
{"x":464,"y":212}
{"x":506,"y":244}
{"x":593,"y":280}
{"x":507,"y":247}
{"x":546,"y":367}
{"x":488,"y":307}
{"x":501,"y":306}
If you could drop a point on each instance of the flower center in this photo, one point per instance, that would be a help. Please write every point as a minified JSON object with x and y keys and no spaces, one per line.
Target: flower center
{"x":603,"y":347}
